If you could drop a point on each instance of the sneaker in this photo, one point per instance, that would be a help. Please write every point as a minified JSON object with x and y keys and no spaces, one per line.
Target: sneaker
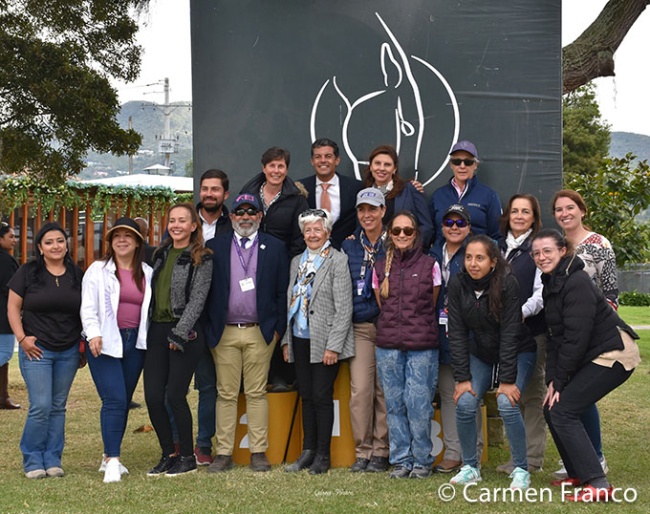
{"x":400,"y":471}
{"x":359,"y":465}
{"x":467,"y":475}
{"x":203,"y":456}
{"x":589,"y":494}
{"x":304,"y":461}
{"x":165,"y":464}
{"x":520,"y":479}
{"x":102,"y":466}
{"x":603,"y":464}
{"x":259,"y":462}
{"x":35,"y":474}
{"x":448,"y":466}
{"x":221,"y":463}
{"x":420,"y":472}
{"x":113,"y":472}
{"x":183,"y":465}
{"x":377,"y":465}
{"x":54,"y":472}
{"x":561,"y":473}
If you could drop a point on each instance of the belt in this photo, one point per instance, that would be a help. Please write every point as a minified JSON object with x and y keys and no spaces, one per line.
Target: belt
{"x":243,"y":325}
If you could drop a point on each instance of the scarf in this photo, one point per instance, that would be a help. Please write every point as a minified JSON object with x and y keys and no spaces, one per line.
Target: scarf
{"x":370,"y":252}
{"x":310,"y":262}
{"x":513,"y":243}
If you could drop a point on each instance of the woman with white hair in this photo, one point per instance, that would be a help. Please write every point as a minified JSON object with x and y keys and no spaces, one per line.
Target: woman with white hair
{"x":319,"y":334}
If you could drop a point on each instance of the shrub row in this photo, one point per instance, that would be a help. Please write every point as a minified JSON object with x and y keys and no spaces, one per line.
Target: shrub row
{"x":634,"y":298}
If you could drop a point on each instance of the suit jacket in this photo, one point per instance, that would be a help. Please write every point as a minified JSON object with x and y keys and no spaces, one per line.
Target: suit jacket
{"x":330,"y":308}
{"x":347,"y":222}
{"x":270,"y":284}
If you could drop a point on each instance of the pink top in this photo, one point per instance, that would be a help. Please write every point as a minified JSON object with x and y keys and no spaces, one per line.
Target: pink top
{"x":131,"y":298}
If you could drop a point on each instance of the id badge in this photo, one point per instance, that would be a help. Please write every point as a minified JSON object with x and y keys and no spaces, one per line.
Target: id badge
{"x":360,"y":285}
{"x":246,"y":284}
{"x":443,"y":317}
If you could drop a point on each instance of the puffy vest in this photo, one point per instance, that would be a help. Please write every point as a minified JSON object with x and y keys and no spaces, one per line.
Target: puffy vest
{"x":407,"y":320}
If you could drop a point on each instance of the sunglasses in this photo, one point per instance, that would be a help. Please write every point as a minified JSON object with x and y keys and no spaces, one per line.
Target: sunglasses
{"x":468,"y":162}
{"x":313,"y":212}
{"x":250,"y":211}
{"x":408,"y":231}
{"x":460,"y":223}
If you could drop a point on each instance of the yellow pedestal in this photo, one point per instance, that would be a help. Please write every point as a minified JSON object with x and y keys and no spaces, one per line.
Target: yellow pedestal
{"x":437,"y":436}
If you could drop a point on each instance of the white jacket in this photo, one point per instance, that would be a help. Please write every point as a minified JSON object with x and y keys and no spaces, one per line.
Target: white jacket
{"x":100,"y":296}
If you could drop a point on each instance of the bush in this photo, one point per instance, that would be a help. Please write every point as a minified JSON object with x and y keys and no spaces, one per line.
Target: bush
{"x":634,"y":298}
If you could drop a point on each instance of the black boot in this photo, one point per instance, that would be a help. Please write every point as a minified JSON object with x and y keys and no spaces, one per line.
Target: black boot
{"x":303,"y":462}
{"x":320,"y":465}
{"x":5,"y":401}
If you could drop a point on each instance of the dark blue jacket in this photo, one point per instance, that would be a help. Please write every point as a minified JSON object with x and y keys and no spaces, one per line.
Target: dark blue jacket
{"x":364,"y":304}
{"x":455,"y":265}
{"x":271,"y":283}
{"x":481,"y":201}
{"x":410,"y":199}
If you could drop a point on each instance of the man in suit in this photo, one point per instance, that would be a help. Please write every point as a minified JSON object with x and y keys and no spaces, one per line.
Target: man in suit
{"x":246,"y":316}
{"x":331,"y":191}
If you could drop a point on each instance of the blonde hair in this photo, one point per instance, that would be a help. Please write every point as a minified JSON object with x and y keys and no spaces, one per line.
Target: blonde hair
{"x":390,"y":249}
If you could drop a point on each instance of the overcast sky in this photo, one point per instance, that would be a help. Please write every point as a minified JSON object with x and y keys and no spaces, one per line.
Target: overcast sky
{"x":624,"y":100}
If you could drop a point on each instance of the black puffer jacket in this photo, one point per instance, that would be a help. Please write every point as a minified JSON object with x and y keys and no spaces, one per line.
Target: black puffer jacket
{"x":281,"y":220}
{"x":581,"y":324}
{"x":472,"y":329}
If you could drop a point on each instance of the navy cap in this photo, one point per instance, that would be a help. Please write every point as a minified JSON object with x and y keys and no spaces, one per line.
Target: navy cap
{"x":245,"y":198}
{"x":466,"y":146}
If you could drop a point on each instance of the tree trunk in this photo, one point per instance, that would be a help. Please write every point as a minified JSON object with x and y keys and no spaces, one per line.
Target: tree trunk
{"x":592,"y":54}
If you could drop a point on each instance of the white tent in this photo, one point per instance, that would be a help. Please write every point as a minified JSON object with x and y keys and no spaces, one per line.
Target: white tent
{"x":177,"y":184}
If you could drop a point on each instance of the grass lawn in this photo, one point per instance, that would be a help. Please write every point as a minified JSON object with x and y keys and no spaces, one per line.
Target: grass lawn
{"x":635,"y":315}
{"x":625,"y":417}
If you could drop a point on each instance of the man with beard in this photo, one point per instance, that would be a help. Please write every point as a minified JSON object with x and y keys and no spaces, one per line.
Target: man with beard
{"x":246,"y":316}
{"x":213,"y":192}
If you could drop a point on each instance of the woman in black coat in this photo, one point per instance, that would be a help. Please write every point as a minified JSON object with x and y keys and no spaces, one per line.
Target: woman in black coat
{"x":590,"y":352}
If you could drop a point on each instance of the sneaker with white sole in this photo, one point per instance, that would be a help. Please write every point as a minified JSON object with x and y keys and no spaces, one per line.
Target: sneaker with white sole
{"x":467,"y":475}
{"x":102,"y":466}
{"x":562,"y":473}
{"x":603,"y":464}
{"x":112,"y":473}
{"x":520,"y":479}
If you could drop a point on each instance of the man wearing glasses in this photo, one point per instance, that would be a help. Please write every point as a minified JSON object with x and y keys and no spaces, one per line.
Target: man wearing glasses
{"x":465,"y":189}
{"x":246,"y":313}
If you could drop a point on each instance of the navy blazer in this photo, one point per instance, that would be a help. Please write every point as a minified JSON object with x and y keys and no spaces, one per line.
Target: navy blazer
{"x":347,"y":222}
{"x":271,"y":282}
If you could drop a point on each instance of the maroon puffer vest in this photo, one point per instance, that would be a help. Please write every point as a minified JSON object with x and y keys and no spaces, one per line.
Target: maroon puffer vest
{"x":407,"y":320}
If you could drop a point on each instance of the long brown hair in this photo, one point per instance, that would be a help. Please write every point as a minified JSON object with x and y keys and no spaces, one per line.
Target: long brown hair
{"x":197,"y":248}
{"x":390,"y":248}
{"x":504,"y":221}
{"x":398,"y":181}
{"x":501,"y":268}
{"x":136,"y":260}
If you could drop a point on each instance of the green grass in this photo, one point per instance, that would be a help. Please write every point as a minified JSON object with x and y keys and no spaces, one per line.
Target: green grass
{"x":635,"y":315}
{"x":625,"y":418}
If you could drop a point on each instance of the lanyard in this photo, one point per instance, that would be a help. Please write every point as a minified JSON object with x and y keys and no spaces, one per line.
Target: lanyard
{"x":240,"y":255}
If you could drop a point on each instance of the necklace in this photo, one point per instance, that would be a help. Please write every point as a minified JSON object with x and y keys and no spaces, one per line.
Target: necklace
{"x":56,"y":281}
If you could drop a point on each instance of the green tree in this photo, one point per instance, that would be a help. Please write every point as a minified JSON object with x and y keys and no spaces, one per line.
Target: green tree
{"x":616,"y":190}
{"x":56,"y":101}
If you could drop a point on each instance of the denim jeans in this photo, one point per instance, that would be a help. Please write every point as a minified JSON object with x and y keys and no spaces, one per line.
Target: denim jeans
{"x":116,"y":379}
{"x":408,"y":379}
{"x":205,"y":382}
{"x":590,"y":419}
{"x":468,"y":404}
{"x":7,"y":342}
{"x":48,"y":383}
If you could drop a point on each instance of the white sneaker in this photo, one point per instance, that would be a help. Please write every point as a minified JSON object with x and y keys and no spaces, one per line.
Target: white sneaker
{"x":467,"y":475}
{"x":561,"y":473}
{"x":603,"y":464}
{"x":112,"y":473}
{"x":520,"y":479}
{"x":102,"y":466}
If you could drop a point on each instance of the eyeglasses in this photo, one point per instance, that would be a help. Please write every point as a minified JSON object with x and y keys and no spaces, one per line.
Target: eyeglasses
{"x":313,"y":212}
{"x":408,"y":231}
{"x":468,"y":162}
{"x":460,"y":223}
{"x":546,"y":252}
{"x":250,"y":211}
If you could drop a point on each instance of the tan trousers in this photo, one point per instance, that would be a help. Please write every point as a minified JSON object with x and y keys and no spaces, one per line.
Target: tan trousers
{"x":531,"y":407}
{"x":242,"y":350}
{"x":367,"y":407}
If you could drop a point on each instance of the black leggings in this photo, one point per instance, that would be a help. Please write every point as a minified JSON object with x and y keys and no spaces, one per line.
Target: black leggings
{"x":169,"y":372}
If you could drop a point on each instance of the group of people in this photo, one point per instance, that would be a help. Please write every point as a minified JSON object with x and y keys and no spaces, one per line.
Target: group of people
{"x":455,"y":297}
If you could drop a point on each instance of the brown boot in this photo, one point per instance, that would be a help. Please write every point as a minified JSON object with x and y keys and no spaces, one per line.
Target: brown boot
{"x":5,"y":401}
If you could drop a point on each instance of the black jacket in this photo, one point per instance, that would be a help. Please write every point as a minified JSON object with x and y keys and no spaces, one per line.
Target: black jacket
{"x":472,"y":329}
{"x":281,"y":219}
{"x":8,"y":266}
{"x":581,"y":324}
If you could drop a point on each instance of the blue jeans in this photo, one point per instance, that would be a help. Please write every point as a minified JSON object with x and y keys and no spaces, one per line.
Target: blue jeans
{"x":48,"y":383}
{"x":590,"y":419}
{"x":408,"y":379}
{"x":116,"y":379}
{"x":468,"y":404}
{"x":205,"y":382}
{"x":7,"y":342}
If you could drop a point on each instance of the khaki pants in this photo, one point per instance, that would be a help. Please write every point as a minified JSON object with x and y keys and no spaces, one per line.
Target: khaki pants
{"x":242,"y":350}
{"x":367,"y":407}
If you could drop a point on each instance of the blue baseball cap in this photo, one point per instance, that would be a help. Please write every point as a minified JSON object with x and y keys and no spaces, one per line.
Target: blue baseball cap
{"x":466,"y":146}
{"x":246,"y":198}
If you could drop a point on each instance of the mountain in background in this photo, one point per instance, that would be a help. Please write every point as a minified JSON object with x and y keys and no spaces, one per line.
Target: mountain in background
{"x":623,"y":143}
{"x":147,"y":119}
